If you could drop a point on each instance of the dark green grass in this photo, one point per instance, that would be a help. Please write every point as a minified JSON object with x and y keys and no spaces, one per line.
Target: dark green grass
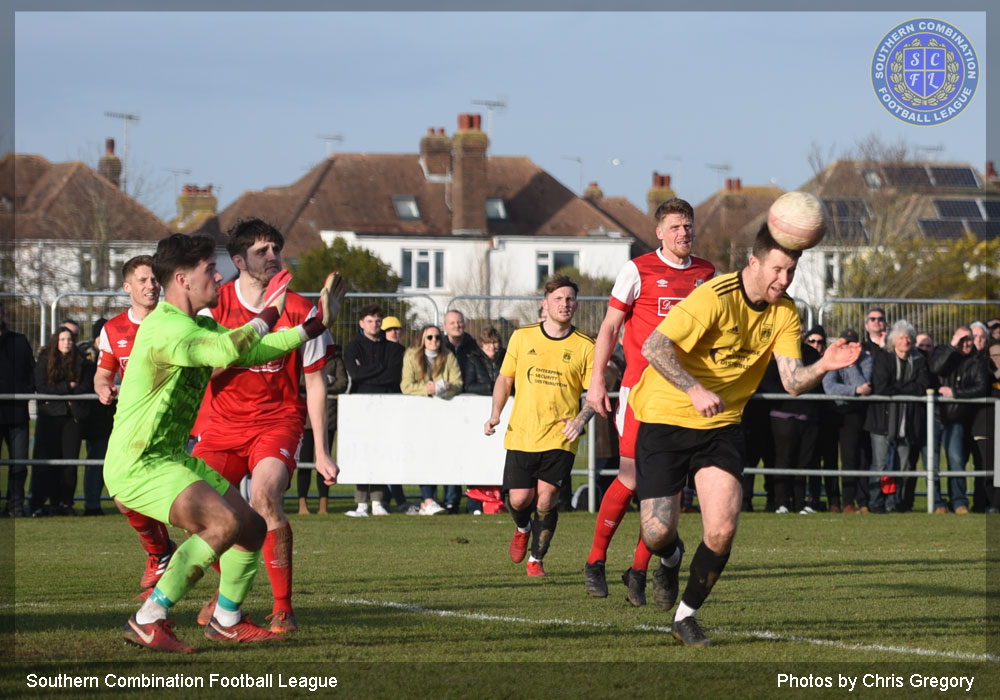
{"x":910,"y":581}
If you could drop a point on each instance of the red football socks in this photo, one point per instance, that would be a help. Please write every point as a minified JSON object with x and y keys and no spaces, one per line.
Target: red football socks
{"x":152,"y":533}
{"x":640,"y":562}
{"x":277,"y":553}
{"x":614,"y":505}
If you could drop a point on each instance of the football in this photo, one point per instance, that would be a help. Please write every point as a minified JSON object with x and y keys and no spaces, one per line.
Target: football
{"x":797,"y":221}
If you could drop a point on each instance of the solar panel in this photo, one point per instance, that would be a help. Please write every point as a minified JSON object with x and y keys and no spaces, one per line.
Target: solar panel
{"x":954,"y":177}
{"x":992,"y":207}
{"x":847,"y":231}
{"x":940,"y":228}
{"x":958,"y":209}
{"x":985,"y":230}
{"x":846,"y":208}
{"x":909,"y":175}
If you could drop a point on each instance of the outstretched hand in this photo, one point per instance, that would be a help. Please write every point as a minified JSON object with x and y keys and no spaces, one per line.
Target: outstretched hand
{"x":276,"y":290}
{"x":841,"y":354}
{"x":331,"y":297}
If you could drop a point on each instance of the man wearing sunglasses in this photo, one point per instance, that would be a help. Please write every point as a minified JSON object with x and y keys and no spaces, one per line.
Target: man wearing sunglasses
{"x":875,"y":330}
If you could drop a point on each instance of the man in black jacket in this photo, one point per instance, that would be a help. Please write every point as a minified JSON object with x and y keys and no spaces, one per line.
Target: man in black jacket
{"x":374,"y":366}
{"x":16,"y":377}
{"x":963,"y":376}
{"x":895,"y":427}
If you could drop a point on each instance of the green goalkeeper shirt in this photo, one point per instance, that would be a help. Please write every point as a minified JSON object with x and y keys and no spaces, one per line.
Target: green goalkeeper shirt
{"x":171,"y":362}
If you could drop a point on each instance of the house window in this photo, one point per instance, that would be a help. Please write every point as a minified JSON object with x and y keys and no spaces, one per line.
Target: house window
{"x":873,"y":179}
{"x":423,"y":269}
{"x":549,"y":262}
{"x":495,"y":209}
{"x":406,"y":207}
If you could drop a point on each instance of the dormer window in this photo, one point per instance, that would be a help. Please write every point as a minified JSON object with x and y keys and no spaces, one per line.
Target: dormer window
{"x":406,"y":207}
{"x":495,"y":209}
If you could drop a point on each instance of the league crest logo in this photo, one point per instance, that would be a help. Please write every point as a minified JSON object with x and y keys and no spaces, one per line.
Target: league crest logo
{"x":567,"y":356}
{"x":765,"y":331}
{"x":924,"y":71}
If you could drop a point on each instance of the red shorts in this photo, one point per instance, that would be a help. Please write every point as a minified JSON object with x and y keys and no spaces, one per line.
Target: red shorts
{"x":628,"y":426}
{"x":234,"y":454}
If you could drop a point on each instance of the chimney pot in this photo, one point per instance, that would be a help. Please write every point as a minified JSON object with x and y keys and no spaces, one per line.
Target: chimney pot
{"x":430,"y":131}
{"x":440,"y":131}
{"x":729,"y":184}
{"x":477,"y":121}
{"x":666,"y":181}
{"x":109,"y":146}
{"x":464,"y":122}
{"x":990,"y":169}
{"x":737,"y":185}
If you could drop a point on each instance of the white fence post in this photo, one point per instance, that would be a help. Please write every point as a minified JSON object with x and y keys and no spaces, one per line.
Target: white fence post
{"x":931,"y":460}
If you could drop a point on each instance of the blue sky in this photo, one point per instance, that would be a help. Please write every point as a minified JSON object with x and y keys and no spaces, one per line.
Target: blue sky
{"x":240,"y":98}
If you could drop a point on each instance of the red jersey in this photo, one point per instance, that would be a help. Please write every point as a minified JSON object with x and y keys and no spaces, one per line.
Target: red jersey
{"x":266,"y":392}
{"x":115,"y":343}
{"x":646,"y":289}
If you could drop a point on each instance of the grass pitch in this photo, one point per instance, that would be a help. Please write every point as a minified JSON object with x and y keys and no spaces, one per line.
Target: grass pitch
{"x":415,"y":607}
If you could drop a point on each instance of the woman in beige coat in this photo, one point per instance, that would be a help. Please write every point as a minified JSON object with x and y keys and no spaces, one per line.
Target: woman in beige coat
{"x":430,"y":370}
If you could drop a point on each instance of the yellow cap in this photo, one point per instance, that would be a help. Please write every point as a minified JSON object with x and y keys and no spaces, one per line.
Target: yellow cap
{"x":390,"y":322}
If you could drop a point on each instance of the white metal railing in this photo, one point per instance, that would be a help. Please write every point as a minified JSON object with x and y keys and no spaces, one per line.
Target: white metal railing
{"x":930,"y":401}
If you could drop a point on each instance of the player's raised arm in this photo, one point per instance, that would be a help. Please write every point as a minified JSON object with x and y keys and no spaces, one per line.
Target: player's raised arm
{"x":659,"y":352}
{"x":798,"y":378}
{"x":273,"y":345}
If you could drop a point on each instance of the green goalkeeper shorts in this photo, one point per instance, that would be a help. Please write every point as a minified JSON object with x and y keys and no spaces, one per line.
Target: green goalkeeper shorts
{"x":152,"y":486}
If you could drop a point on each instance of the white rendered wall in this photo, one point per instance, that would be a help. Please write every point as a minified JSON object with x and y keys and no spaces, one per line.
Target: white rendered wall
{"x":399,"y":439}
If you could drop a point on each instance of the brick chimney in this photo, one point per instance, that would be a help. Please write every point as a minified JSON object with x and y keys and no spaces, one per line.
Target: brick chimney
{"x":468,"y":192}
{"x":194,"y":205}
{"x":659,"y":192}
{"x":991,"y":172}
{"x":110,"y":165}
{"x":593,"y":191}
{"x":435,"y":152}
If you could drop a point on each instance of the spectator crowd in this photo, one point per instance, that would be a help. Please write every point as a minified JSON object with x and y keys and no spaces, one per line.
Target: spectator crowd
{"x":441,"y":362}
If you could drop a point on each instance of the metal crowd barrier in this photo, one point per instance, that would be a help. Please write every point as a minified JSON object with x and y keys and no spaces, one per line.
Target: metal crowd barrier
{"x":930,"y":400}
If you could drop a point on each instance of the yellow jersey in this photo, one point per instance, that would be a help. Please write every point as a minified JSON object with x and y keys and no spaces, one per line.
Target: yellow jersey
{"x":725,"y":343}
{"x":549,"y":374}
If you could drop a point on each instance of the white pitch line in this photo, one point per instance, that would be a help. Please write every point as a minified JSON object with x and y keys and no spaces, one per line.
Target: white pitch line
{"x":755,"y":634}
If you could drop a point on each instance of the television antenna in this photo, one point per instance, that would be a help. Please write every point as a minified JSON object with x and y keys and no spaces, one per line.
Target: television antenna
{"x":680,"y":162}
{"x":579,"y":160}
{"x":126,"y":117}
{"x":719,"y":168}
{"x":498,"y":105}
{"x":330,"y":138}
{"x":176,"y":172}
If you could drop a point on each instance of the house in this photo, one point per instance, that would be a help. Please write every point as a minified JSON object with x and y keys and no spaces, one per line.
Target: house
{"x":720,"y":220}
{"x":66,"y":227}
{"x":450,"y":219}
{"x":868,"y":201}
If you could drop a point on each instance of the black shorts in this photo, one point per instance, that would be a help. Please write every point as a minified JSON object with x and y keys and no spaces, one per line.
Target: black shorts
{"x":666,"y":454}
{"x":523,"y":470}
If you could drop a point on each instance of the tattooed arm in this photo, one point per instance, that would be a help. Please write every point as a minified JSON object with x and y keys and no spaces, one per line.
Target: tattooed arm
{"x":798,"y":378}
{"x":574,"y":428}
{"x":659,"y":352}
